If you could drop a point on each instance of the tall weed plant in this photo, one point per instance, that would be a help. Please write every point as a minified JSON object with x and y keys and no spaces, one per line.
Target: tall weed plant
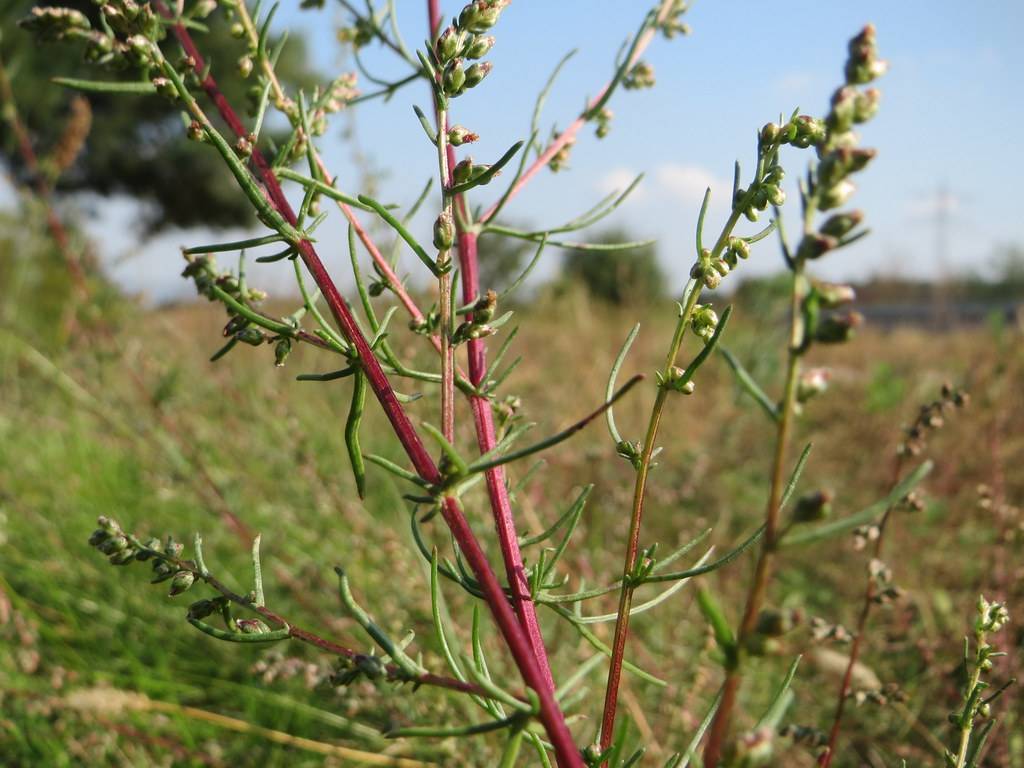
{"x":467,"y":446}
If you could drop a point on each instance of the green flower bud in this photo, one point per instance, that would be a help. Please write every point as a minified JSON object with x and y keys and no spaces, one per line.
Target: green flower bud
{"x":444,"y":231}
{"x":772,"y":622}
{"x":774,"y":194}
{"x":460,"y":135}
{"x":770,"y":133}
{"x":243,"y":147}
{"x":112,"y":545}
{"x":450,"y":44}
{"x":150,"y":544}
{"x":481,"y":15}
{"x":604,"y":122}
{"x":836,"y":329}
{"x":252,"y":336}
{"x":804,"y":131}
{"x":866,"y":105}
{"x":844,"y":106}
{"x":479,"y":47}
{"x":859,"y":158}
{"x":484,"y":309}
{"x":832,"y":295}
{"x":453,"y":81}
{"x":836,"y":196}
{"x":281,"y":351}
{"x":237,"y":30}
{"x":704,"y":321}
{"x":814,"y":246}
{"x":812,"y":383}
{"x":203,"y":608}
{"x":165,"y":88}
{"x":477,"y":72}
{"x":639,"y":77}
{"x":196,"y":132}
{"x":841,"y":224}
{"x":123,"y":557}
{"x":245,"y":66}
{"x":740,"y":247}
{"x":775,"y":175}
{"x":55,"y":23}
{"x":203,"y":8}
{"x":173,"y":548}
{"x":181,"y":582}
{"x":463,"y":171}
{"x":252,"y":627}
{"x":863,"y":70}
{"x":813,"y":507}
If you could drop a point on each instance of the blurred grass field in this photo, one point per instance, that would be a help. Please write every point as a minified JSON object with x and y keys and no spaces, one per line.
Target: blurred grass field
{"x":99,"y":668}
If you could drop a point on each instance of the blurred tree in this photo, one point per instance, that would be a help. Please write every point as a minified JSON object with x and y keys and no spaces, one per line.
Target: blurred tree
{"x":127,"y":134}
{"x":619,"y":277}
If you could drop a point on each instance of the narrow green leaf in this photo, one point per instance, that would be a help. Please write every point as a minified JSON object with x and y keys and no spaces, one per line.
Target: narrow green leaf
{"x":751,"y":387}
{"x":865,"y":516}
{"x":105,"y":86}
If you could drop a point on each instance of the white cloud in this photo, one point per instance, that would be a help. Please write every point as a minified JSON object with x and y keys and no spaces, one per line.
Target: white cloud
{"x":617,"y":179}
{"x":686,"y":184}
{"x":794,"y":83}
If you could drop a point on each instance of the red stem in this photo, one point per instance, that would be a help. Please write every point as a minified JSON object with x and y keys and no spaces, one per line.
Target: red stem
{"x":566,"y":752}
{"x":483,"y":419}
{"x":497,"y":490}
{"x":825,"y":759}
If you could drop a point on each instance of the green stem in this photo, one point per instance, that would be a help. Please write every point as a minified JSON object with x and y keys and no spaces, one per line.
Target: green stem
{"x":693,"y":290}
{"x":967,"y":719}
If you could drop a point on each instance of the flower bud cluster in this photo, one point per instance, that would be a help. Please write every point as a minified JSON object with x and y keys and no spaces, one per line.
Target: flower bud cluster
{"x":881,"y":578}
{"x":889,"y":693}
{"x":466,"y":171}
{"x":464,"y":40}
{"x":134,"y":31}
{"x":479,"y":326}
{"x":560,"y":160}
{"x":822,"y":631}
{"x":673,"y":24}
{"x":704,"y":321}
{"x":803,"y":735}
{"x":358,"y":35}
{"x":122,"y":548}
{"x":639,"y":77}
{"x":930,"y":417}
{"x":836,"y":144}
{"x":991,"y":616}
{"x":766,"y":192}
{"x":603,"y":119}
{"x":202,"y":269}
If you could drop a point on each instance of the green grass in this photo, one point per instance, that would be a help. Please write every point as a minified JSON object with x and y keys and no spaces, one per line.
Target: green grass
{"x":139,"y":426}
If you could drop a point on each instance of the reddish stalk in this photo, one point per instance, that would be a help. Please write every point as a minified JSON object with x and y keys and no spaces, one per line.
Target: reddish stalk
{"x":42,"y":189}
{"x":825,"y":759}
{"x":569,"y":134}
{"x":483,"y":419}
{"x":550,"y":715}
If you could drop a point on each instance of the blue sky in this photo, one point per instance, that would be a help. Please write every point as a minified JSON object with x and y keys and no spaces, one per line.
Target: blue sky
{"x":949,"y":132}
